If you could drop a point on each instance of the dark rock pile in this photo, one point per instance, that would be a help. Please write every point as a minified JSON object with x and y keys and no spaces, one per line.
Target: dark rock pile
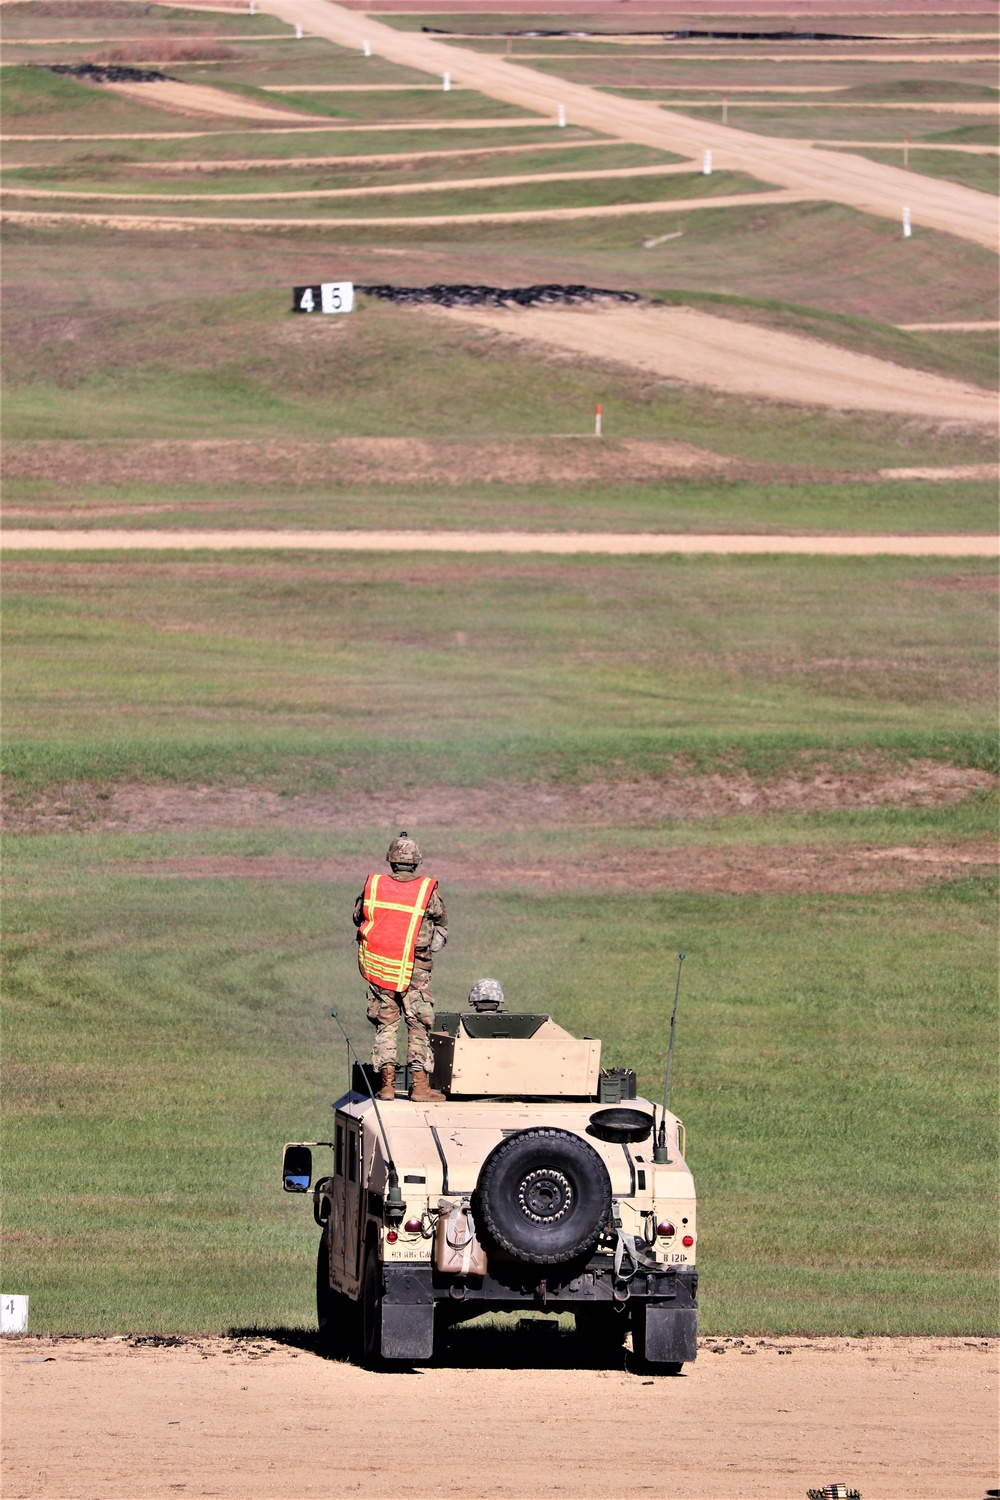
{"x":495,"y":296}
{"x":109,"y":72}
{"x":672,"y":36}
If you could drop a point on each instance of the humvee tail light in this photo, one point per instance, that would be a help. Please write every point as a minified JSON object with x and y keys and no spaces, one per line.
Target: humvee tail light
{"x":666,"y":1230}
{"x":688,"y":1240}
{"x":391,"y":1236}
{"x":412,"y":1226}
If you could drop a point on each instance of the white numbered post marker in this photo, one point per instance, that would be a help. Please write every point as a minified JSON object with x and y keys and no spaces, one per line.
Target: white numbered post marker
{"x":706,"y":165}
{"x":447,"y":83}
{"x":298,"y":31}
{"x":13,"y":1314}
{"x":327,"y":297}
{"x":907,"y":226}
{"x":561,"y":117}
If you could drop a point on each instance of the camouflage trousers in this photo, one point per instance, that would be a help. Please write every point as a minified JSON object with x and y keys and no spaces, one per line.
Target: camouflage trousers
{"x":416,"y":1006}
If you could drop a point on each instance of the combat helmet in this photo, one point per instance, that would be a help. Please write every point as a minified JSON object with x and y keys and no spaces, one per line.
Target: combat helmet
{"x":486,"y":994}
{"x":404,"y":851}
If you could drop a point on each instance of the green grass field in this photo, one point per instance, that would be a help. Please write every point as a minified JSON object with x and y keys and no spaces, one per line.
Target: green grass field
{"x":856,"y":124}
{"x":515,"y":198}
{"x":674,"y":504}
{"x":169,"y":970}
{"x":120,"y":176}
{"x":220,"y":147}
{"x":183,"y":369}
{"x":165,"y":1036}
{"x":174,"y":669}
{"x":979,"y":172}
{"x":96,"y":23}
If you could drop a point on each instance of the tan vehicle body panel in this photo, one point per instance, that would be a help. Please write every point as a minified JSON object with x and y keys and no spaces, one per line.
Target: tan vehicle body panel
{"x":464,"y":1133}
{"x":552,"y":1062}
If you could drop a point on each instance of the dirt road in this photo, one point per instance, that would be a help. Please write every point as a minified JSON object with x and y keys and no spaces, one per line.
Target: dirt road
{"x":843,"y":178}
{"x":682,"y":343}
{"x":505,"y":1415}
{"x":424,"y":221}
{"x":554,"y":542}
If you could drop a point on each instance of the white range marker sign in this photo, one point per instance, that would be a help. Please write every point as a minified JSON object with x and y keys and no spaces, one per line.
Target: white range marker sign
{"x":328,"y":297}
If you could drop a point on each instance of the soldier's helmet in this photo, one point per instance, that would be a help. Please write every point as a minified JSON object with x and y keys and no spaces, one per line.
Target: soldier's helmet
{"x":486,"y":994}
{"x":404,"y":851}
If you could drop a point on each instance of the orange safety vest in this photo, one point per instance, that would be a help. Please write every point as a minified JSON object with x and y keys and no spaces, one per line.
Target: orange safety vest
{"x":392,"y":912}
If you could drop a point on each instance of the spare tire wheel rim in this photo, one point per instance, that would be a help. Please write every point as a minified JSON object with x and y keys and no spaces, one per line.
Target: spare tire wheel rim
{"x":545,"y":1195}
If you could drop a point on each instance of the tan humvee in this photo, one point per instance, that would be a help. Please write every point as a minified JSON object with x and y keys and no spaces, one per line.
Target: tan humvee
{"x":540,"y":1182}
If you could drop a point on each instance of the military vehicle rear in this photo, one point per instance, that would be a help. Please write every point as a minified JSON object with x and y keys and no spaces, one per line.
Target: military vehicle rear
{"x":539,"y":1183}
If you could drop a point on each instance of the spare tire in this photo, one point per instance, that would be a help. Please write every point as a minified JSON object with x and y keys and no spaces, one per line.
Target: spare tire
{"x":544,"y":1195}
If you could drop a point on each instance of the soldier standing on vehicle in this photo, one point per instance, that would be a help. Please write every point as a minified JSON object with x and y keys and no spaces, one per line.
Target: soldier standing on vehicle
{"x":401,"y":922}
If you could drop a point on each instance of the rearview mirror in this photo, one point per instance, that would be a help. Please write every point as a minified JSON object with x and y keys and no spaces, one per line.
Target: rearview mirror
{"x":296,"y":1169}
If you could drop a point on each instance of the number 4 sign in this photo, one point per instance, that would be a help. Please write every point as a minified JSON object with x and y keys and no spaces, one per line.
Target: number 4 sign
{"x":328,"y":297}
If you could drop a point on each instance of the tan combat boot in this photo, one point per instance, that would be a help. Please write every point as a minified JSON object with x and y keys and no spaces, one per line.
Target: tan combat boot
{"x":421,"y":1092}
{"x":387,"y":1073}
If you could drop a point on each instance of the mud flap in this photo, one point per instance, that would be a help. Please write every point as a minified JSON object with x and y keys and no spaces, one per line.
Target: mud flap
{"x":407,"y":1330}
{"x":670,"y":1334}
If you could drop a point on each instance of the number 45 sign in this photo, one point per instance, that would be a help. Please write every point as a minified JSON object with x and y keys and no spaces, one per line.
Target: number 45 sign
{"x":329,"y":297}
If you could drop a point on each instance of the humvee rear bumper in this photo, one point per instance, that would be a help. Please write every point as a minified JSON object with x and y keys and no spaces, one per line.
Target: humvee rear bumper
{"x":663,"y":1305}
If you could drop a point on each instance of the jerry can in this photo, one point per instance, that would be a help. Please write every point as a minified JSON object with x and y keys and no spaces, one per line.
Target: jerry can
{"x":457,"y":1251}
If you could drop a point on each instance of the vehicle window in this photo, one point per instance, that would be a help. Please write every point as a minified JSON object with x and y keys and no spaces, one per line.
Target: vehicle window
{"x":338,"y":1154}
{"x":352,"y":1157}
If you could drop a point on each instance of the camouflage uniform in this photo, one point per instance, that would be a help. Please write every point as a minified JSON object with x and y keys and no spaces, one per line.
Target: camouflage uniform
{"x":416,"y":1003}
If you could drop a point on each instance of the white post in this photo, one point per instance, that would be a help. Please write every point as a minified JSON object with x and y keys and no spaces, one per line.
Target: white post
{"x":706,"y":165}
{"x":298,"y":32}
{"x":907,"y":226}
{"x":447,"y":83}
{"x":597,"y":423}
{"x":561,"y":117}
{"x":366,"y":48}
{"x":253,"y":8}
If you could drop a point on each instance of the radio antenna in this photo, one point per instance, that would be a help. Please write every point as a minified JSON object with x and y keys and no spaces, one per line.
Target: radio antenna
{"x":660,"y":1153}
{"x":394,"y":1205}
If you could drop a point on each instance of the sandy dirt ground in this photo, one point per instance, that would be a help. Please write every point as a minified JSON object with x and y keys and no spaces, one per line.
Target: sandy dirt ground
{"x":682,"y":343}
{"x":886,"y":145}
{"x":869,"y":186}
{"x":199,"y":99}
{"x":345,"y":462}
{"x":511,"y":1415}
{"x":871,"y":782}
{"x":358,"y":461}
{"x":755,"y":56}
{"x":553,"y":542}
{"x":969,"y":471}
{"x":963,"y":107}
{"x":956,"y":471}
{"x":971,"y":327}
{"x":423,"y":221}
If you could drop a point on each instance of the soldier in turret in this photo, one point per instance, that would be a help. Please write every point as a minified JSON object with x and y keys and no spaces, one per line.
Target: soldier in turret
{"x":401,"y":922}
